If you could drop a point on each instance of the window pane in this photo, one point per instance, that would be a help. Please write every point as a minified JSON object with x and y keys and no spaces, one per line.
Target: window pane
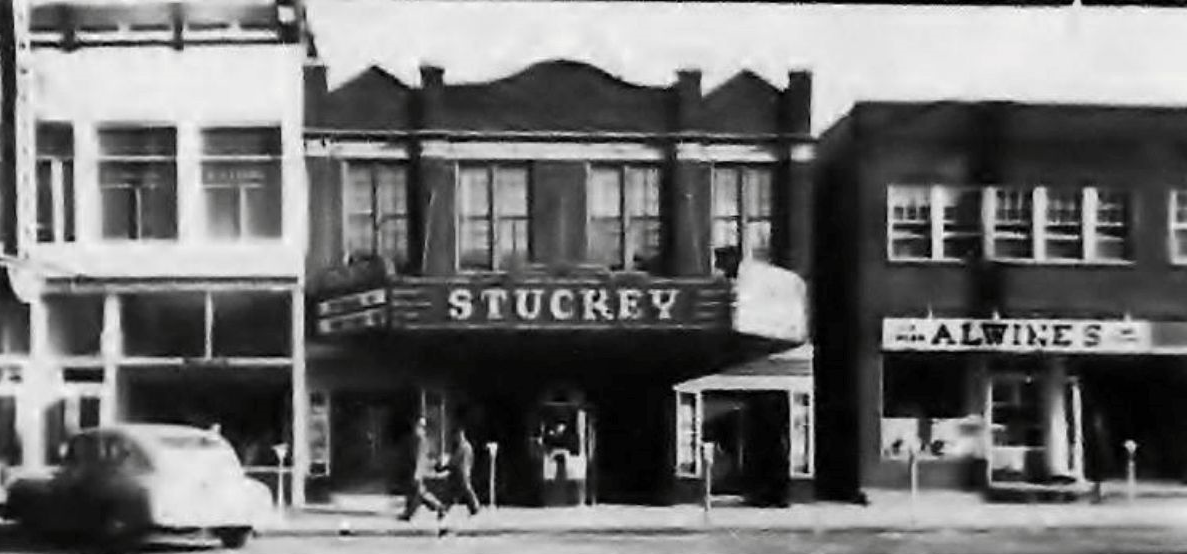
{"x":240,"y":141}
{"x":68,"y":199}
{"x":1181,"y":243}
{"x":393,"y":239}
{"x":55,"y":140}
{"x":147,"y":205}
{"x":726,"y":200}
{"x":159,"y":211}
{"x":474,"y":192}
{"x":757,"y":188}
{"x":962,"y":223}
{"x":513,"y":242}
{"x":358,"y":236}
{"x":603,"y":193}
{"x":605,"y":241}
{"x":251,"y":324}
{"x":1179,"y":209}
{"x":45,"y":201}
{"x":138,"y":142}
{"x":358,"y":189}
{"x":1013,"y":231}
{"x":511,"y":188}
{"x":119,"y":212}
{"x":164,"y":324}
{"x":725,"y":232}
{"x":758,"y":239}
{"x":644,"y":241}
{"x":686,"y":434}
{"x":475,"y":252}
{"x":222,"y":212}
{"x":642,"y":191}
{"x":910,"y":221}
{"x":1064,"y":224}
{"x":77,"y":321}
{"x":391,"y":189}
{"x":264,"y":209}
{"x":1112,"y":233}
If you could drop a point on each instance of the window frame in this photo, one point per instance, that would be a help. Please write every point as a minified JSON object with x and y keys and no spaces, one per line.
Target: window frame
{"x":493,"y":216}
{"x":173,"y":161}
{"x":275,"y":161}
{"x":624,"y":217}
{"x":1037,"y":229}
{"x":742,"y":221}
{"x":375,"y":217}
{"x":63,"y":187}
{"x":1174,"y":225}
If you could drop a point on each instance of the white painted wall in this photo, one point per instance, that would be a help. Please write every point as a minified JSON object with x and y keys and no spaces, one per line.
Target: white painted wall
{"x":191,"y":89}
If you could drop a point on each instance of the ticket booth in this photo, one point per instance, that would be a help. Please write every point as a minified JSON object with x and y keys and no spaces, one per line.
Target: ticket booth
{"x":563,"y":436}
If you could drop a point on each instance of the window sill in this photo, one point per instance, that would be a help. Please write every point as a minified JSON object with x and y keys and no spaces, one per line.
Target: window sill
{"x":1022,"y":262}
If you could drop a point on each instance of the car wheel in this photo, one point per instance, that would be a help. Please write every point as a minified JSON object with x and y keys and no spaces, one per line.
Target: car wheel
{"x":116,"y":532}
{"x":233,"y":537}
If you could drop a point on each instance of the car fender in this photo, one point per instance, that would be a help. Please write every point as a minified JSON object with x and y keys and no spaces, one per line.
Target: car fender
{"x":259,"y":502}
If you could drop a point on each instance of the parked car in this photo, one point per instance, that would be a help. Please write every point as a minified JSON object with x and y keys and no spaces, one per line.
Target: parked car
{"x":123,"y":483}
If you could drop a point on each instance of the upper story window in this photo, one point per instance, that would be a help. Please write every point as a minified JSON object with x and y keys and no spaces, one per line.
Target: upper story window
{"x":138,"y":182}
{"x":376,"y":211}
{"x":624,"y":216}
{"x":493,"y":220}
{"x":1013,"y":224}
{"x":741,"y":214}
{"x":1178,"y":225}
{"x":910,"y":223}
{"x":55,"y":182}
{"x":1084,"y":224}
{"x":241,"y":182}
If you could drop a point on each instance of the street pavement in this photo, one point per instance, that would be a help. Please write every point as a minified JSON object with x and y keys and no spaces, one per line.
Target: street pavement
{"x":1097,"y":541}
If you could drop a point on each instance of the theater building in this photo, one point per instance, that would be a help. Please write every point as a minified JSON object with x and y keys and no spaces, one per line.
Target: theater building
{"x":543,"y":258}
{"x":1001,"y":296}
{"x":161,"y":224}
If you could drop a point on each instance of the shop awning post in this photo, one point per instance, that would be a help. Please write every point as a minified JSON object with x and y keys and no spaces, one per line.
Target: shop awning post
{"x":1131,"y":470}
{"x":492,"y":449}
{"x":707,"y":450}
{"x":913,"y":473}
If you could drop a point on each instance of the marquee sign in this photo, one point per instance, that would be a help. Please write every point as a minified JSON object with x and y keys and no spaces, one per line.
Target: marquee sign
{"x":561,"y":304}
{"x":1016,"y":335}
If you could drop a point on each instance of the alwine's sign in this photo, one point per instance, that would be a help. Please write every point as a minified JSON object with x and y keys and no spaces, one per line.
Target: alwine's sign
{"x":1015,"y":335}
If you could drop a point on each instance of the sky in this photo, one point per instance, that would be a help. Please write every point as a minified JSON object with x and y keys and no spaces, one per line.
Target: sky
{"x":1067,"y":55}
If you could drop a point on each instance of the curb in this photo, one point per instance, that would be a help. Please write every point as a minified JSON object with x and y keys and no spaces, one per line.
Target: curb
{"x":660,"y":531}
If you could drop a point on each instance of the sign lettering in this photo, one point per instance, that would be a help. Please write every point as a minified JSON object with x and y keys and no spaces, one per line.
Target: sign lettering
{"x":1015,"y":335}
{"x":585,"y":305}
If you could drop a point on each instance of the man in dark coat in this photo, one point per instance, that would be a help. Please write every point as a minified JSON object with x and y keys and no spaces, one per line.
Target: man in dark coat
{"x":422,"y":468}
{"x":460,"y":467}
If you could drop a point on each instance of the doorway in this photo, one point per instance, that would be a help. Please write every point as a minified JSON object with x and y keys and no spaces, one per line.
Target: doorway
{"x":368,"y":428}
{"x":750,"y":432}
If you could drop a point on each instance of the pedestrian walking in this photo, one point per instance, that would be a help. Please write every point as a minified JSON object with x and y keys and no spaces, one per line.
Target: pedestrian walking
{"x":422,"y":468}
{"x":460,"y":468}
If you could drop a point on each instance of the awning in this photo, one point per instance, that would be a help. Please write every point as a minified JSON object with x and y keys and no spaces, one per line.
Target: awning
{"x":787,"y":370}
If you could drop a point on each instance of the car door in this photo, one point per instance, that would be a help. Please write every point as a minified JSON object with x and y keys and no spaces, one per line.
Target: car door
{"x":68,"y":500}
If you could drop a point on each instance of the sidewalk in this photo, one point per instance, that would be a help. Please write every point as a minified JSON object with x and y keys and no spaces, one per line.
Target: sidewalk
{"x":888,"y":511}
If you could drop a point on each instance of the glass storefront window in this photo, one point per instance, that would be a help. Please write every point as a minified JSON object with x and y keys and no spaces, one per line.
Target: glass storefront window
{"x":75,"y":324}
{"x":252,"y":324}
{"x":925,"y":407}
{"x":687,"y":431}
{"x":164,"y":324}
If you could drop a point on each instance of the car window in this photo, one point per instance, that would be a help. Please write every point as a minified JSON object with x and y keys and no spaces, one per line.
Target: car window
{"x":119,"y":453}
{"x":82,"y":451}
